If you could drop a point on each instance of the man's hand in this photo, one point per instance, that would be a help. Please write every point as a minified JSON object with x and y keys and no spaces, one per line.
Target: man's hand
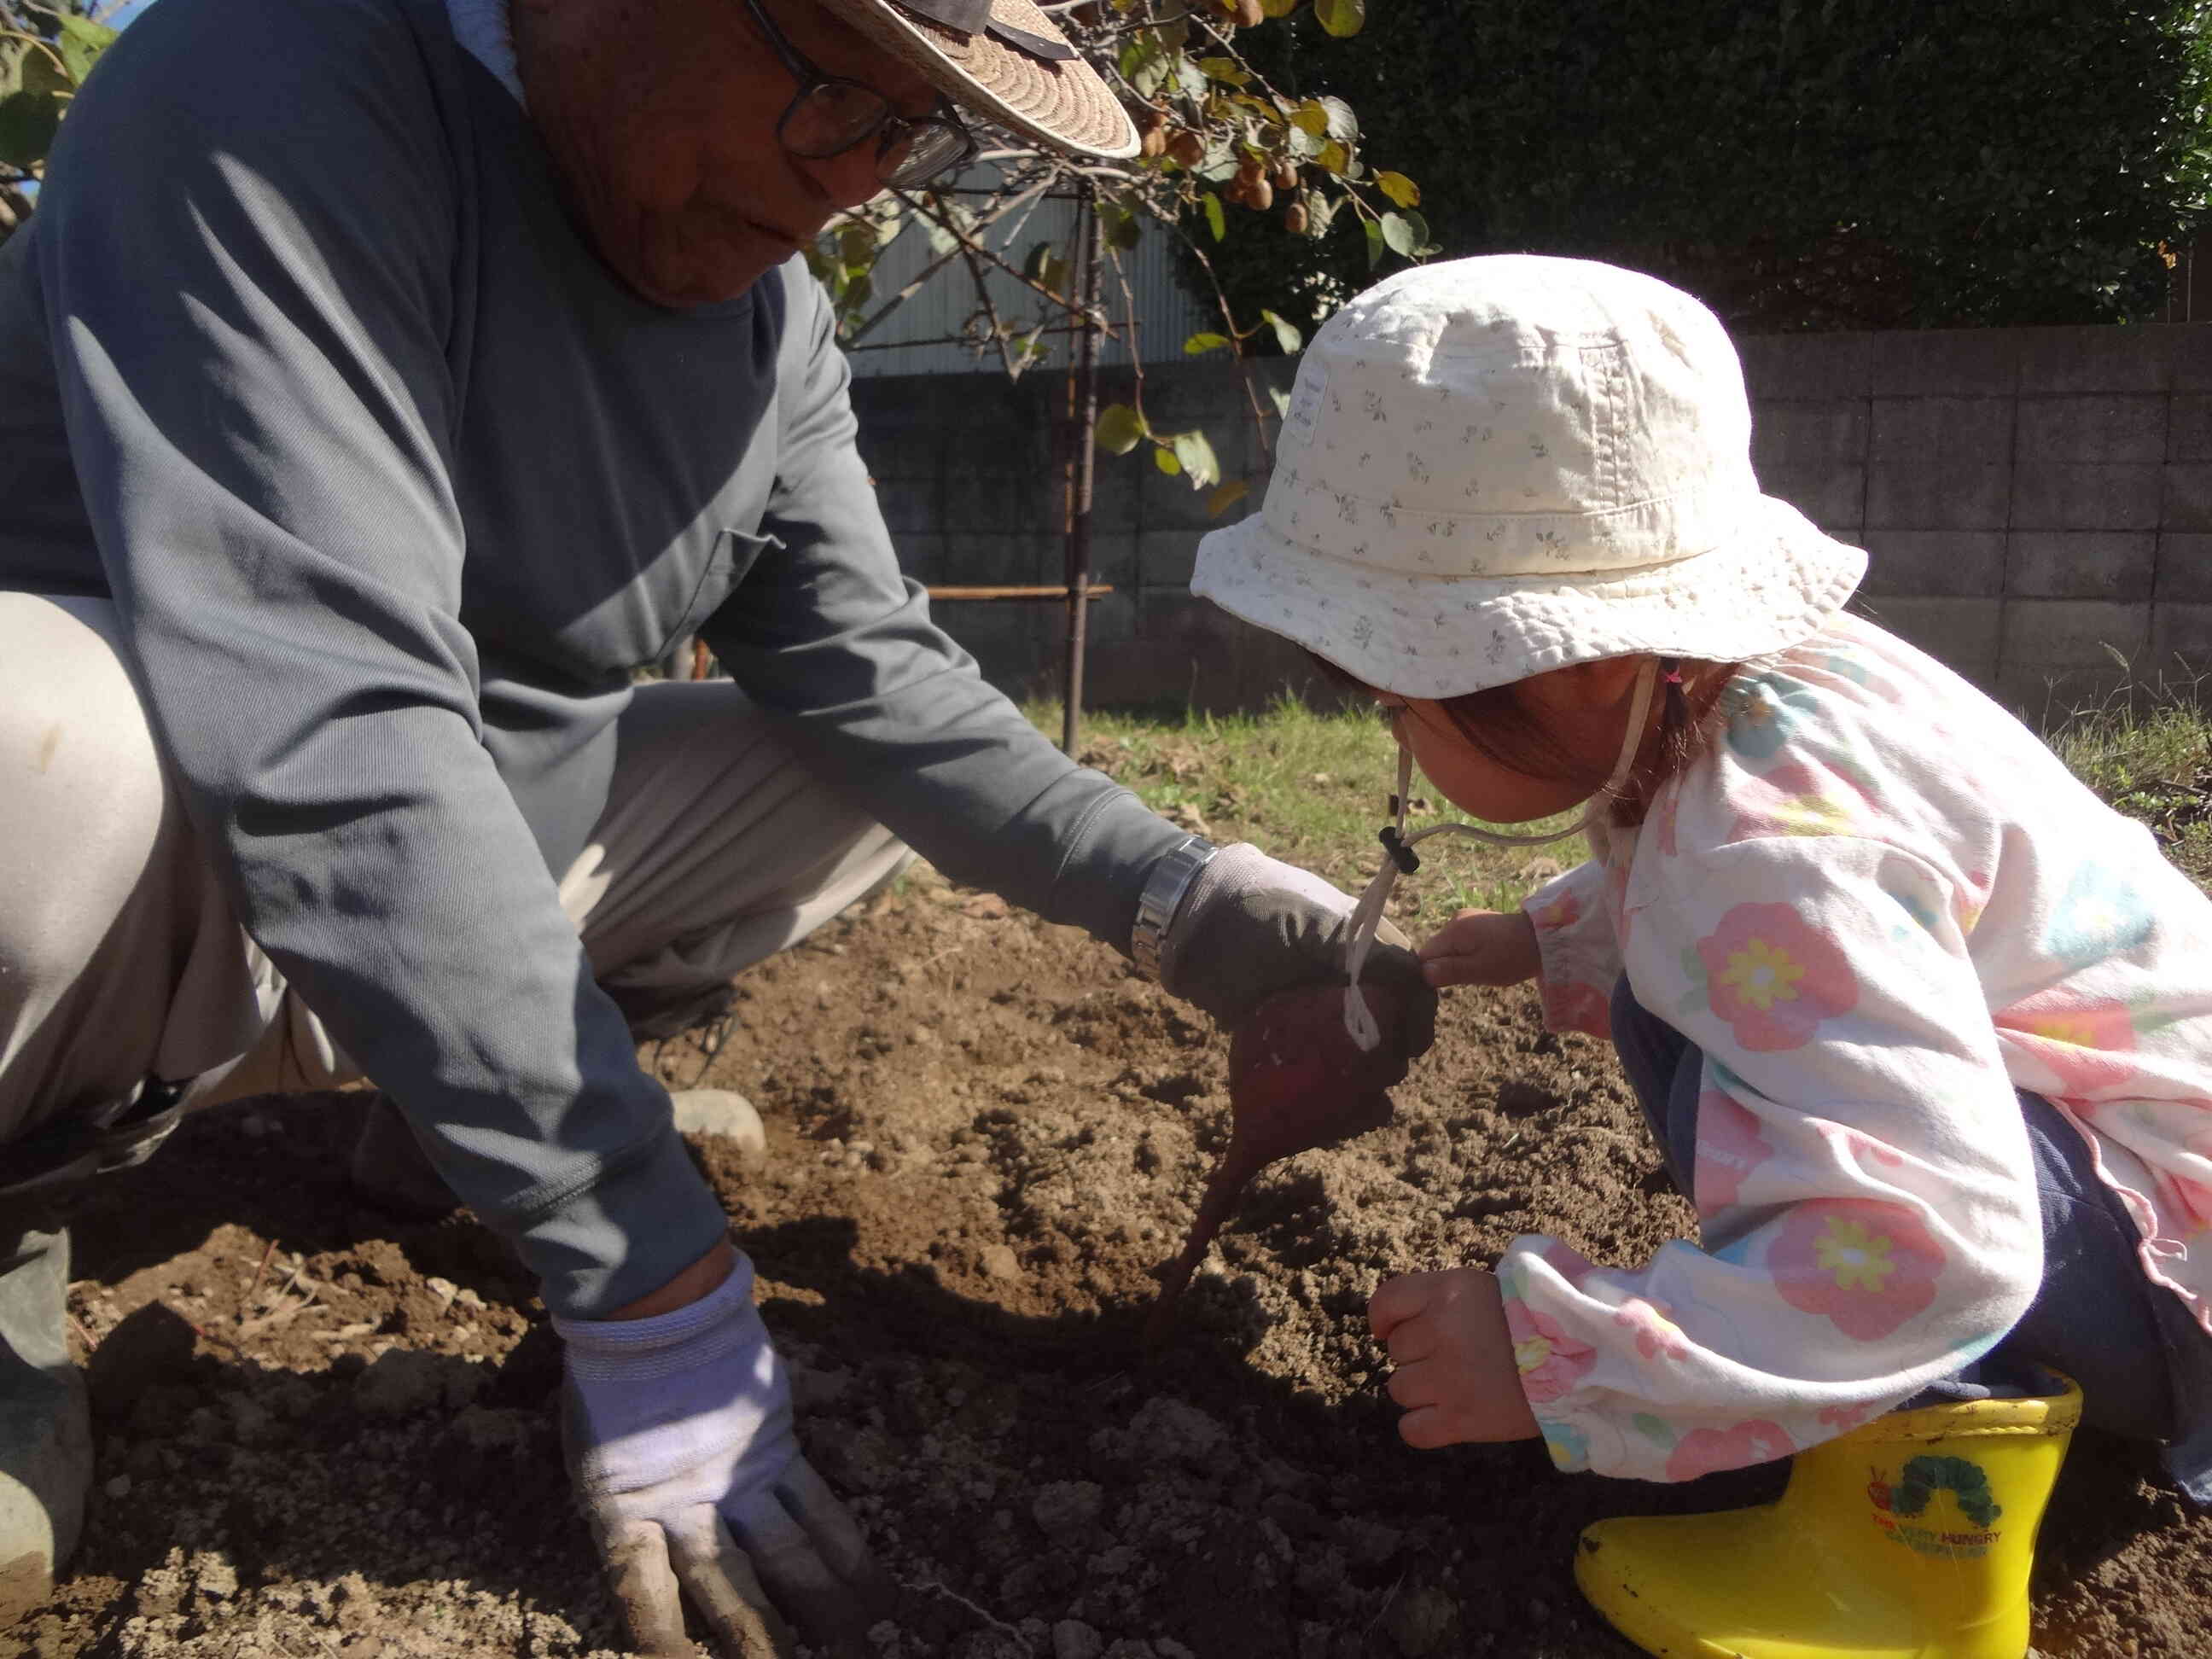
{"x":677,"y":1427}
{"x":1252,"y":926}
{"x":1482,"y":947}
{"x":1452,"y":1362}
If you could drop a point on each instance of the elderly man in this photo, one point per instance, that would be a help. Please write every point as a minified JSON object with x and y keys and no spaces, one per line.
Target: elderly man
{"x":380,"y":382}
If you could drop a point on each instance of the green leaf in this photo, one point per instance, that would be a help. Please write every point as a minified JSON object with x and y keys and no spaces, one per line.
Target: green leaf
{"x":1399,"y":235}
{"x":42,"y":74}
{"x":1286,"y":336}
{"x":1191,"y":79}
{"x":1342,"y":122}
{"x":1203,"y":342}
{"x":1122,"y":230}
{"x":29,"y":121}
{"x":1226,"y":497}
{"x":1121,"y":428}
{"x":1422,"y":246}
{"x":1165,"y":458}
{"x":1398,"y":188}
{"x":856,"y":242}
{"x":1195,"y":453}
{"x":1333,"y":156}
{"x":1279,"y":8}
{"x":81,"y":42}
{"x":1311,"y":117}
{"x":1341,"y":18}
{"x":1216,"y":221}
{"x":1227,"y":70}
{"x":1376,"y":245}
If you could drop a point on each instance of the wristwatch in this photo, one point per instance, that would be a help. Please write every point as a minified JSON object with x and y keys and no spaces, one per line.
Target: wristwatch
{"x":1164,"y":892}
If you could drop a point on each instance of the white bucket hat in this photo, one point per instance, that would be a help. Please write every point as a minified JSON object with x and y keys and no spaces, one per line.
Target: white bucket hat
{"x":1497,"y":466}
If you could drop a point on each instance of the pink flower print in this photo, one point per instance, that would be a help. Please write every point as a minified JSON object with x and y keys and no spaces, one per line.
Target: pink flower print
{"x":2085,"y":1044}
{"x":1656,"y":1333}
{"x":1704,"y":1451}
{"x":1866,"y":1267}
{"x":1797,"y":800}
{"x":1575,"y":1004}
{"x":1773,"y":978}
{"x":1569,"y":1264}
{"x":1564,"y":911}
{"x":1549,"y":1361}
{"x":1729,"y":1149}
{"x":1859,"y":1147}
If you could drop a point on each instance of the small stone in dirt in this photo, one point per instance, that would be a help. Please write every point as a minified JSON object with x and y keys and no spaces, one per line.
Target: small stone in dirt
{"x":1064,"y":1508}
{"x":722,"y":1112}
{"x":118,"y":1487}
{"x":1424,"y":1622}
{"x":999,"y":1261}
{"x":1073,"y":1639}
{"x":213,"y":1575}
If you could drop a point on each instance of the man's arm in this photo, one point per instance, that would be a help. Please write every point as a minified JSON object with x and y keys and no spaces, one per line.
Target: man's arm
{"x":262,"y":438}
{"x":825,"y":632}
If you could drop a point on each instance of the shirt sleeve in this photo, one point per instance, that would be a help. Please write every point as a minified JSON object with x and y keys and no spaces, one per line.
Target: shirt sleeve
{"x":261,"y":433}
{"x":1864,"y":1183}
{"x":826,"y":633}
{"x":1579,"y":957}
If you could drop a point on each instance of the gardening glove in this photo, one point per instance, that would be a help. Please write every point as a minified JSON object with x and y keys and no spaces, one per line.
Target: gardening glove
{"x":1251,"y":926}
{"x":679,"y":1439}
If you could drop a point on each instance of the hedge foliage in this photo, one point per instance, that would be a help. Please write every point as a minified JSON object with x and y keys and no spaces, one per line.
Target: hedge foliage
{"x":1801,"y":164}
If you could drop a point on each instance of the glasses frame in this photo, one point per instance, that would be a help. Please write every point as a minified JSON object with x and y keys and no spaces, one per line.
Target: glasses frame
{"x":887,"y":131}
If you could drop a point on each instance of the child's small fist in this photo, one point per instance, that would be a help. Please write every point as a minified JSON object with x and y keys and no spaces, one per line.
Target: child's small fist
{"x":1481,"y":947}
{"x":1451,"y":1358}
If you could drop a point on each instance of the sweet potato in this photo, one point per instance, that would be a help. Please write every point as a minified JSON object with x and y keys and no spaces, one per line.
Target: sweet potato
{"x":1297,"y":1080}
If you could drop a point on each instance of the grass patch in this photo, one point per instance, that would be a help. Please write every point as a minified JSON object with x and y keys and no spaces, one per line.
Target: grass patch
{"x":1310,"y":788}
{"x":2150,"y":756}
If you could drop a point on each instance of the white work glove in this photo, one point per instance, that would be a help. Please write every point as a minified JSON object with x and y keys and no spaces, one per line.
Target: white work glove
{"x":679,"y":1439}
{"x":1251,"y":926}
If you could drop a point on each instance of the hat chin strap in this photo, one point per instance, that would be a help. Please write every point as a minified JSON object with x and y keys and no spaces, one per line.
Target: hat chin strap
{"x":1398,"y":856}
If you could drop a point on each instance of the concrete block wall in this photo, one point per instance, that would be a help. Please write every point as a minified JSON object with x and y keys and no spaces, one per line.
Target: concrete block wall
{"x":2036,"y":505}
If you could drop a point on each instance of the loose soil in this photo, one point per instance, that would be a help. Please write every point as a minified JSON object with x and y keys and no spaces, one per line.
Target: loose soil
{"x":324,"y":1432}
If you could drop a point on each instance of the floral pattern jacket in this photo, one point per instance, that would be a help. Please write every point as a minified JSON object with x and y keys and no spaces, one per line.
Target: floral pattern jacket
{"x":1880,"y":906}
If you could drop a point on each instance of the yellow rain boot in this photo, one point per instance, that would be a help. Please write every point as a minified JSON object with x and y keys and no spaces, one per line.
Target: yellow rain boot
{"x":1908,"y":1538}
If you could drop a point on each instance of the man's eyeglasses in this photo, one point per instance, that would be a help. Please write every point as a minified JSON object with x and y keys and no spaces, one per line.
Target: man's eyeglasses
{"x":827,"y":117}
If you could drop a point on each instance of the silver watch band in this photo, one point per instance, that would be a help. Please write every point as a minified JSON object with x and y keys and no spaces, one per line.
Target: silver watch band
{"x":1164,"y":894}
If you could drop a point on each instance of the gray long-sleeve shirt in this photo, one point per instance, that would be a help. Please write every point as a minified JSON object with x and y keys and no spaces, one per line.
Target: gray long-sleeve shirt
{"x":302,"y":362}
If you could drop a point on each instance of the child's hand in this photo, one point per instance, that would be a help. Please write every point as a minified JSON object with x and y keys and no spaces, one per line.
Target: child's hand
{"x":1482,"y":947}
{"x":1451,"y":1358}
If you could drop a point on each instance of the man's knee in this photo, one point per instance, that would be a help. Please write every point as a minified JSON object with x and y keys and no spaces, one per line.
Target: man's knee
{"x":86,"y":804}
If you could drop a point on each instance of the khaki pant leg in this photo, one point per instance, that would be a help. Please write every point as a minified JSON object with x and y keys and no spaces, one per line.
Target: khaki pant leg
{"x":121,"y":959}
{"x":717,"y":848}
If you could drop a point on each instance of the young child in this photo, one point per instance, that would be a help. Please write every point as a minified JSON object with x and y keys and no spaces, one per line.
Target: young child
{"x":1922,"y":1028}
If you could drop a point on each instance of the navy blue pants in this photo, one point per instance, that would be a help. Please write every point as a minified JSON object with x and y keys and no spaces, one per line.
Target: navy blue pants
{"x":2145,"y":1370}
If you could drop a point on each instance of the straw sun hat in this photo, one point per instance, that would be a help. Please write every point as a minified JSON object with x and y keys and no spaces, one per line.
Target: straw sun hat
{"x":1005,"y":60}
{"x":1494,"y":467}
